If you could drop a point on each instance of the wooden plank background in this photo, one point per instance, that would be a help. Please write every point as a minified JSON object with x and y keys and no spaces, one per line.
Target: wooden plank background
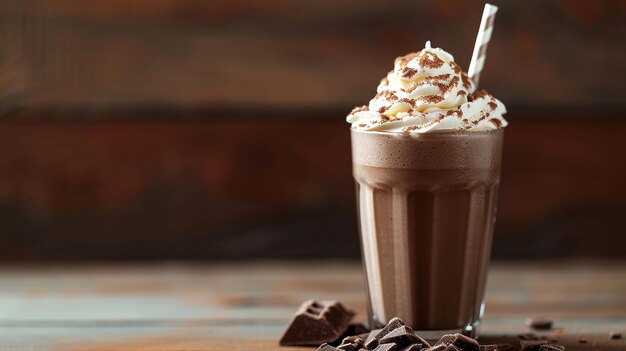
{"x":246,"y":54}
{"x":249,"y":189}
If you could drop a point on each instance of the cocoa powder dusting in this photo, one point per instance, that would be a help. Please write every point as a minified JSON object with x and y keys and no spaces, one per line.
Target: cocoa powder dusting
{"x":403,"y":60}
{"x":444,"y":88}
{"x":477,"y":95}
{"x":432,"y":99}
{"x":408,"y":72}
{"x":466,"y":82}
{"x":430,"y":60}
{"x":455,"y":67}
{"x":387,"y":95}
{"x":359,"y":109}
{"x":437,"y":77}
{"x":408,"y":101}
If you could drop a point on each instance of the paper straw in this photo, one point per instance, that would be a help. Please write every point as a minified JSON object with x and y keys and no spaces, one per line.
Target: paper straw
{"x":482,"y":40}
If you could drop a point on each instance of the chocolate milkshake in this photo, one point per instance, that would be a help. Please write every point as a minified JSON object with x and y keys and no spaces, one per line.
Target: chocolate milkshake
{"x":426,"y":160}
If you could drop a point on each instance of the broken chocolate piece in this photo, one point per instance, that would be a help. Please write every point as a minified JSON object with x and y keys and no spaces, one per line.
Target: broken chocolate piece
{"x":532,"y":345}
{"x":539,"y":323}
{"x":393,"y":324}
{"x":354,"y":330}
{"x":317,"y":322}
{"x":326,"y":347}
{"x":352,"y":343}
{"x":615,"y":335}
{"x":488,"y":347}
{"x":459,"y":341}
{"x":551,"y":347}
{"x":371,"y":339}
{"x":396,"y":333}
{"x":401,"y":336}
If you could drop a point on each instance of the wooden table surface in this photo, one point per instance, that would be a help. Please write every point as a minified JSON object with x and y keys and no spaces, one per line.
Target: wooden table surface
{"x":246,"y":306}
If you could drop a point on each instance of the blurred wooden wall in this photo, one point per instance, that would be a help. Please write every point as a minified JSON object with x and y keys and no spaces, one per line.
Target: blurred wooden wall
{"x":205,"y":129}
{"x":105,"y":54}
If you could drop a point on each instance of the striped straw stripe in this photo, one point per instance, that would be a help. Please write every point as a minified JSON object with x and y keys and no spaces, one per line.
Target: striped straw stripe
{"x":482,"y":40}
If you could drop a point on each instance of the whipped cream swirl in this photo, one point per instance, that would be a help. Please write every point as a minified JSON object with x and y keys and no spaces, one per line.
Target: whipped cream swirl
{"x":427,"y":91}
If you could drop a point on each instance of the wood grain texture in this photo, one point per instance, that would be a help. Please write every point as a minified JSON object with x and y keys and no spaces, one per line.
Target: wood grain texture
{"x":107,"y":55}
{"x":177,"y":306}
{"x":278,"y":188}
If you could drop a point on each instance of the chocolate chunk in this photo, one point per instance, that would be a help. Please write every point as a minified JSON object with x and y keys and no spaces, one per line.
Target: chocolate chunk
{"x":532,"y":345}
{"x":326,"y":347}
{"x":528,"y":336}
{"x":371,"y":344}
{"x":354,"y":330}
{"x":395,"y":332}
{"x":354,"y":339}
{"x":317,"y":322}
{"x":582,"y":340}
{"x":459,"y":341}
{"x":393,"y":324}
{"x":371,"y":339}
{"x":386,"y":347}
{"x":615,"y":335}
{"x":352,"y":343}
{"x":401,"y":336}
{"x":488,"y":347}
{"x":539,"y":323}
{"x":551,"y":347}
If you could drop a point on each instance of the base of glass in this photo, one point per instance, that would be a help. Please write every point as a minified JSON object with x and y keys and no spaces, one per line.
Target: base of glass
{"x":434,"y":335}
{"x":471,"y":330}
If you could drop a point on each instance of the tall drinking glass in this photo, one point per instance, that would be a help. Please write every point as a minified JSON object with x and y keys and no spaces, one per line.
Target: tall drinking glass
{"x":427,"y":205}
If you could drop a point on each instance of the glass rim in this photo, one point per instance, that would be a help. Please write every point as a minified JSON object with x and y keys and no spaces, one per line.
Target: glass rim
{"x":447,"y":132}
